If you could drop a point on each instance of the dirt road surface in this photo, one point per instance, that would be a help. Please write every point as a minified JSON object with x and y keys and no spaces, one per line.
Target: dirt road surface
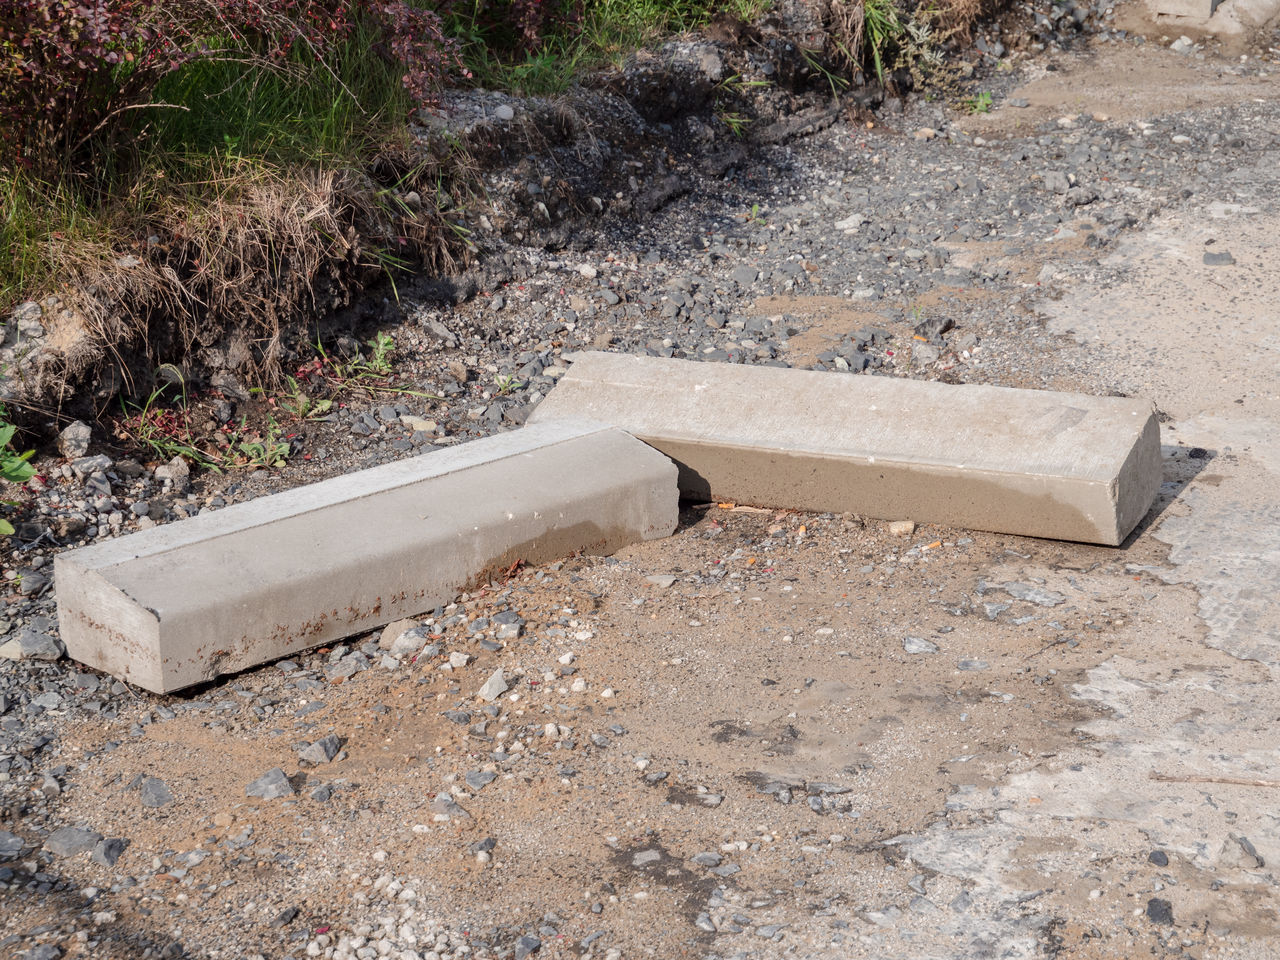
{"x":784,"y":735}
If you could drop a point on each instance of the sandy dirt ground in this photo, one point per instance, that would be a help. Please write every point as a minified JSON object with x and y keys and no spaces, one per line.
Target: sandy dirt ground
{"x":786,"y":735}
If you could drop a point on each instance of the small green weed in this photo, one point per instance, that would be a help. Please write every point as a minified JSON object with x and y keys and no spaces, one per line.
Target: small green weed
{"x":737,"y":84}
{"x":373,"y":374}
{"x":736,"y":122}
{"x":979,"y":104}
{"x":837,"y":83}
{"x":269,"y":450}
{"x":507,"y":384}
{"x":299,"y":404}
{"x":382,"y":346}
{"x":14,"y":466}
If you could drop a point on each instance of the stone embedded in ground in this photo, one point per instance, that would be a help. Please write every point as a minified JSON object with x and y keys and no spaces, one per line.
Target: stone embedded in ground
{"x":270,"y":786}
{"x":323,"y":750}
{"x":107,"y":851}
{"x":1032,"y":594}
{"x":409,"y":643}
{"x":10,"y":845}
{"x":446,"y":807}
{"x":918,"y":645}
{"x":84,"y":467}
{"x":493,"y":688}
{"x":69,"y":841}
{"x":33,"y":642}
{"x":73,"y":441}
{"x":394,"y":631}
{"x":185,"y":602}
{"x":1028,"y":462}
{"x":1160,"y":911}
{"x":155,"y":793}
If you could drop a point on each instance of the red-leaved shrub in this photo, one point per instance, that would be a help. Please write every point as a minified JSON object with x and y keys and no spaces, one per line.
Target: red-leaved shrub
{"x":512,"y":27}
{"x":75,"y":73}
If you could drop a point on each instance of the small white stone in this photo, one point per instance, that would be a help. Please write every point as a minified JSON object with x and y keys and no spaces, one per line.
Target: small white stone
{"x":494,"y":687}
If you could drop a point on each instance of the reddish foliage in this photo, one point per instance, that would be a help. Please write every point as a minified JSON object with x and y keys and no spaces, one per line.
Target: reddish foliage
{"x":513,"y":26}
{"x":75,"y":72}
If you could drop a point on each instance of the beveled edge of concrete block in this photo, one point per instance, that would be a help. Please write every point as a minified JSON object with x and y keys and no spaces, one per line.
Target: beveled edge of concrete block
{"x":107,"y":629}
{"x":317,"y":496}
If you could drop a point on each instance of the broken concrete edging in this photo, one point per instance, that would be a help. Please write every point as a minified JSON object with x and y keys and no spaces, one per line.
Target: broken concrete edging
{"x":1027,"y":462}
{"x":179,"y":604}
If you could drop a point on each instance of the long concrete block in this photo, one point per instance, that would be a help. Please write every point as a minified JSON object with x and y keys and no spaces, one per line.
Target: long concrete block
{"x":182,"y":603}
{"x":1029,"y":462}
{"x":1190,"y":9}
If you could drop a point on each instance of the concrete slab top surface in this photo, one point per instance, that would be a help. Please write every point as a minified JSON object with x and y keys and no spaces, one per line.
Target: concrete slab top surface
{"x":1027,"y":462}
{"x":974,"y":427}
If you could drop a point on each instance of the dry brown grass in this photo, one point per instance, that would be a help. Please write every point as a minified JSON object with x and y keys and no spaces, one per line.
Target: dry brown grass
{"x":850,"y":36}
{"x":248,"y":255}
{"x":846,"y":24}
{"x":957,"y":18}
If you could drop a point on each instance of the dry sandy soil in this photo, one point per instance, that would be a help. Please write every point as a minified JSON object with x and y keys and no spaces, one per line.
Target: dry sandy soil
{"x":1083,"y":766}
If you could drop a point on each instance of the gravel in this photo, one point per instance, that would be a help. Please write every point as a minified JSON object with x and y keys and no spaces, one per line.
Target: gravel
{"x":155,"y":793}
{"x":909,"y":236}
{"x":272,"y":785}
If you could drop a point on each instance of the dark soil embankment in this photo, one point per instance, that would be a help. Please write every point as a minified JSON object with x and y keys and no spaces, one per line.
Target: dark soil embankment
{"x":229,"y":289}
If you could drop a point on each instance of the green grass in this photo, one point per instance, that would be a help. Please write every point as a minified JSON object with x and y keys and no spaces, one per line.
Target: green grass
{"x":610,"y":31}
{"x":308,"y":112}
{"x":34,"y":219}
{"x":226,"y":119}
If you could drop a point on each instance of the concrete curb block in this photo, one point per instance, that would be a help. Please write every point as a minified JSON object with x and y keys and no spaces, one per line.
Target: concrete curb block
{"x":1027,"y":462}
{"x":182,"y":603}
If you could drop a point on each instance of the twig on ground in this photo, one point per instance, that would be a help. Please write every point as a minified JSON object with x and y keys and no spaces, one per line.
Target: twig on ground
{"x":1203,"y":778}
